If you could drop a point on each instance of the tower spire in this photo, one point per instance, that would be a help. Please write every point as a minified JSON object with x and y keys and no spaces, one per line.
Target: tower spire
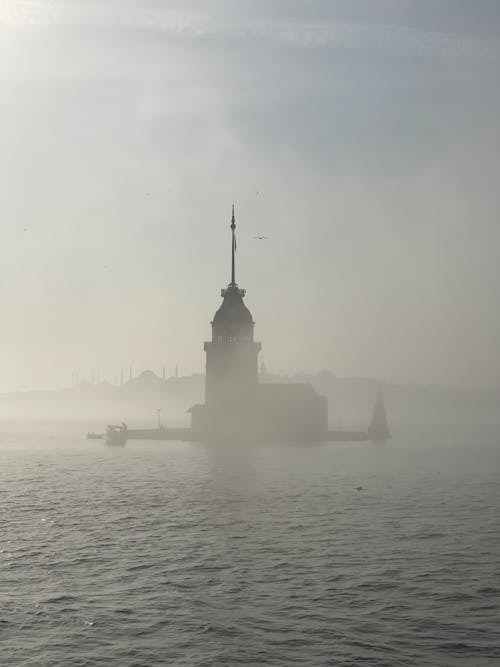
{"x":233,"y":248}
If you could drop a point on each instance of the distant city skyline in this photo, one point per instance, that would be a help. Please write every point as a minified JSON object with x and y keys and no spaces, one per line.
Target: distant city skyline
{"x":360,"y":137}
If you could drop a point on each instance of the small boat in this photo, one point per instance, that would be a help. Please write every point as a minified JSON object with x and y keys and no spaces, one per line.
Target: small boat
{"x":116,"y":434}
{"x":94,"y":436}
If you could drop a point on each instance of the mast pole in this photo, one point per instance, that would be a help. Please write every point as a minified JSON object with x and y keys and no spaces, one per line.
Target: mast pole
{"x":233,"y":248}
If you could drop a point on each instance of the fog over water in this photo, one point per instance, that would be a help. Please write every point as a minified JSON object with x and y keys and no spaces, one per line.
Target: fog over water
{"x":360,"y":137}
{"x":359,"y":143}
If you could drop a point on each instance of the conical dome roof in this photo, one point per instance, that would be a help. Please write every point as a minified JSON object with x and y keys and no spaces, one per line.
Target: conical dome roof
{"x":233,"y":310}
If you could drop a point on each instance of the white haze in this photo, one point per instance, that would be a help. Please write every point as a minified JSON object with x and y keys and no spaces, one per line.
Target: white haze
{"x":361,"y":137}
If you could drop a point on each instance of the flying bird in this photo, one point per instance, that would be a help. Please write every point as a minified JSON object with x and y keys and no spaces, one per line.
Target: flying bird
{"x":261,"y":238}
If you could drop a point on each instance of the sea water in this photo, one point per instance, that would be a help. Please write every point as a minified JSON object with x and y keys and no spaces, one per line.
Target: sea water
{"x":171,"y":553}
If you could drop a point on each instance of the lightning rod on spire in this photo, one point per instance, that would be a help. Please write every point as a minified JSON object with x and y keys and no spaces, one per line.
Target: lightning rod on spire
{"x":233,"y":248}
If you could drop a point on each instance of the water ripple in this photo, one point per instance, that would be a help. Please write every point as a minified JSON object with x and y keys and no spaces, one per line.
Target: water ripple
{"x":177,"y":554}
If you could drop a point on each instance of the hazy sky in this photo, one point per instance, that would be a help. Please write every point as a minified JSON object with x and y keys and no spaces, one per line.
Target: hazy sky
{"x":361,"y":136}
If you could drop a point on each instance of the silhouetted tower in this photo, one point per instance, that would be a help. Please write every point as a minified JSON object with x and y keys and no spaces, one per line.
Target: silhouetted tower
{"x":231,"y":367}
